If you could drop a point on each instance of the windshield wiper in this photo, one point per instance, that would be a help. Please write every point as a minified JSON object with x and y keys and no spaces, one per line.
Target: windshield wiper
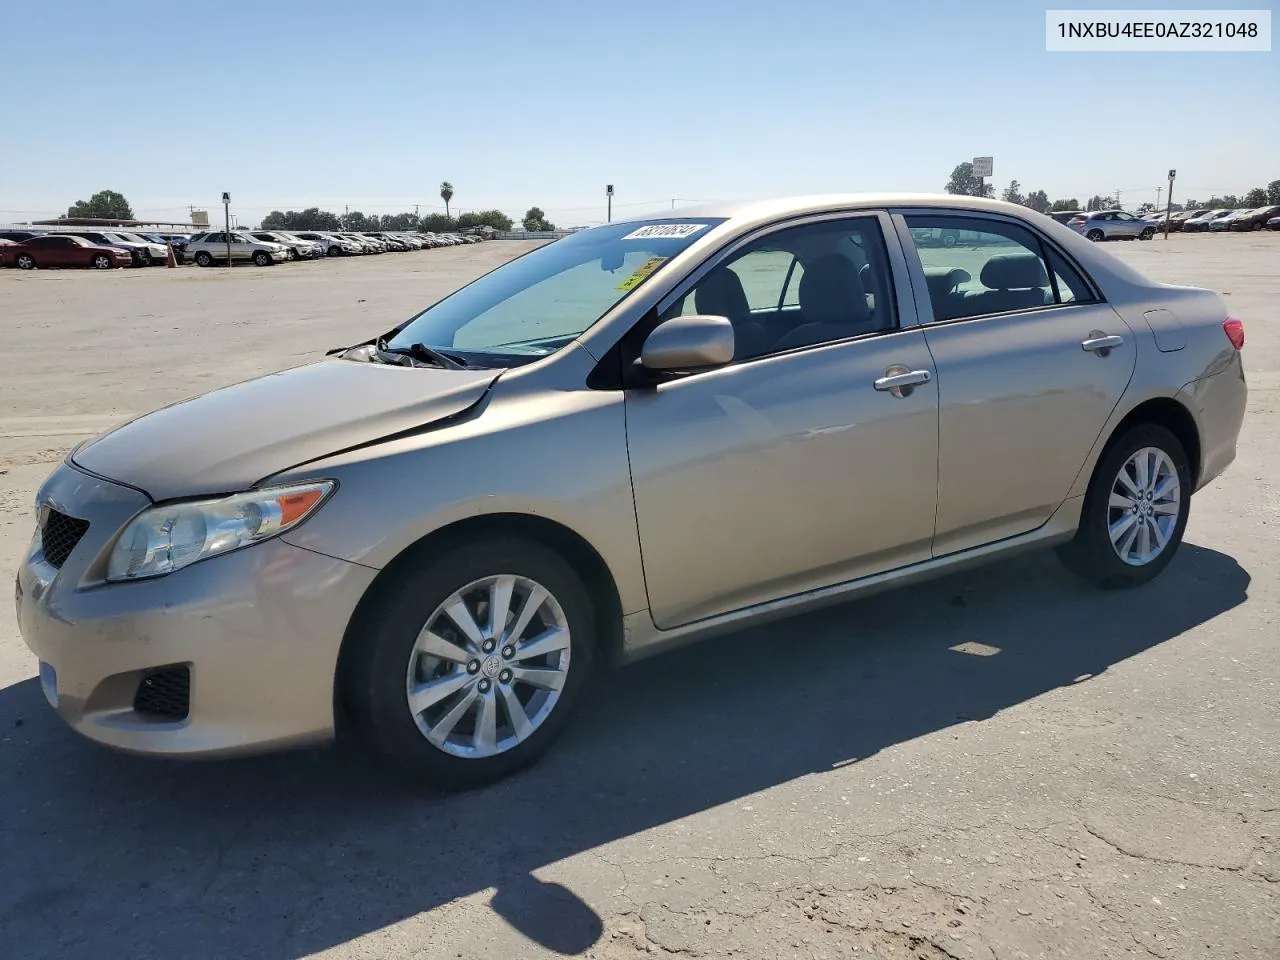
{"x":425,"y":354}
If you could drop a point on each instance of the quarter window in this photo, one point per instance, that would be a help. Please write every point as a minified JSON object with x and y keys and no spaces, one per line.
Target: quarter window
{"x":799,"y":287}
{"x":975,"y":267}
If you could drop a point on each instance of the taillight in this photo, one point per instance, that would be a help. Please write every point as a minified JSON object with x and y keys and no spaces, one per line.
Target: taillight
{"x":1234,"y":329}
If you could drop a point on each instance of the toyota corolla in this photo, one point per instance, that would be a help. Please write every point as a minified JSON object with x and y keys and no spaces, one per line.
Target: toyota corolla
{"x":635,"y":436}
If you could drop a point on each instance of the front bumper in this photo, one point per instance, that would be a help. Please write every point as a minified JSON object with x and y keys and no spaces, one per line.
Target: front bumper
{"x":258,"y":629}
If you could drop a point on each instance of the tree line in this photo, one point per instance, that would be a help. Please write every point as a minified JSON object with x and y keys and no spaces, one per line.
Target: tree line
{"x":964,"y":182}
{"x":313,"y":218}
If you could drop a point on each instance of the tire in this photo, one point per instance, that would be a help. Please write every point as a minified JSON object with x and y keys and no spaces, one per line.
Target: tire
{"x":1094,"y":235}
{"x":381,"y":662}
{"x":292,"y":254}
{"x":1257,"y":226}
{"x":144,"y":258}
{"x":25,"y":261}
{"x":1147,"y":234}
{"x":1092,"y":555}
{"x":335,"y":251}
{"x":262,"y":258}
{"x":101,"y":262}
{"x":204,"y":259}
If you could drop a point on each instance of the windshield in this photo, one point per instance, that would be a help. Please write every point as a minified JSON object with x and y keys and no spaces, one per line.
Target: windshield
{"x":133,"y":238}
{"x":536,"y":304}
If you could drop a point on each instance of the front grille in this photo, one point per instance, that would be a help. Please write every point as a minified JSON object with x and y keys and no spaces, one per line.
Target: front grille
{"x":164,"y":694}
{"x":59,"y":536}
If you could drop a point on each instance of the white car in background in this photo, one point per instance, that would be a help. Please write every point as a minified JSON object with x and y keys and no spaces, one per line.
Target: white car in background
{"x":298,"y":249}
{"x":334,"y":246}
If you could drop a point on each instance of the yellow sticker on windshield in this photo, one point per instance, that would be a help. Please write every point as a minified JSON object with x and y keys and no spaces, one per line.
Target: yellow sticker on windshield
{"x":646,"y":268}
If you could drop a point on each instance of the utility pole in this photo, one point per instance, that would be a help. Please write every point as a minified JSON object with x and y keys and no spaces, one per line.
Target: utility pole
{"x":226,"y":218}
{"x":1159,"y":190}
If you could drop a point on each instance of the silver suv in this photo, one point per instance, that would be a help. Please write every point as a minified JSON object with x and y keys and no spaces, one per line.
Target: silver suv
{"x":209,"y":248}
{"x":1112,"y":225}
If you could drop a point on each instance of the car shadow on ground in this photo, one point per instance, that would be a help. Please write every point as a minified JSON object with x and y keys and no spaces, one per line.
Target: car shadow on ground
{"x":109,"y":855}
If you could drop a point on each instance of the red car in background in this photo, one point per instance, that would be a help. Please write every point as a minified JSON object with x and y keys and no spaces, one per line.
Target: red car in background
{"x":60,"y":250}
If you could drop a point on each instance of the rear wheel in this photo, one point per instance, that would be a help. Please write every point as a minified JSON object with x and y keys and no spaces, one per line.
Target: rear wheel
{"x":335,"y":251}
{"x":1135,"y":510}
{"x":1094,"y":235}
{"x":1148,"y":233}
{"x":469,"y":666}
{"x":101,"y":261}
{"x":262,"y":258}
{"x":204,"y":259}
{"x":144,"y":258}
{"x":25,"y":261}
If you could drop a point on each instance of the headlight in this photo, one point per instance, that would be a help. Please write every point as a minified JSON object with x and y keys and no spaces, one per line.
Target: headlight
{"x":172,"y":536}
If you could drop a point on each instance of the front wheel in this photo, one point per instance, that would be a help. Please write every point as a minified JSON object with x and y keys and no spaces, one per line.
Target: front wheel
{"x":203,"y":259}
{"x":1135,"y":510}
{"x":262,"y":258}
{"x":468,"y":666}
{"x":25,"y":261}
{"x":1094,"y":235}
{"x":1147,"y":234}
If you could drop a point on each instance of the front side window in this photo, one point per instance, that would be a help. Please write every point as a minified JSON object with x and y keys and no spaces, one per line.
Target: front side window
{"x":805,"y":285}
{"x":996,"y":267}
{"x":538,"y":303}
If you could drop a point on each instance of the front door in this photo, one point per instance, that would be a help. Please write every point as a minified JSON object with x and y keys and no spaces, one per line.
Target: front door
{"x":799,"y":465}
{"x":1031,"y":363}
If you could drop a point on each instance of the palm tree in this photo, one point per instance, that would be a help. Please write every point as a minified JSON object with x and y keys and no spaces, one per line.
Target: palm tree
{"x":446,"y":194}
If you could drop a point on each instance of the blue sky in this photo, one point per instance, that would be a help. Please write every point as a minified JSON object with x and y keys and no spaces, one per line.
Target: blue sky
{"x":373,"y":104}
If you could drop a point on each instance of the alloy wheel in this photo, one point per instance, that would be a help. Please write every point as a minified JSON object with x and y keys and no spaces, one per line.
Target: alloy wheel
{"x":1143,"y":509}
{"x":488,"y":666}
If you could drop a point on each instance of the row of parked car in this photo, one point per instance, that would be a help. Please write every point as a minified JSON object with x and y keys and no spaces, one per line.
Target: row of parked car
{"x":1257,"y":218}
{"x":104,"y":250}
{"x":1118,"y":225}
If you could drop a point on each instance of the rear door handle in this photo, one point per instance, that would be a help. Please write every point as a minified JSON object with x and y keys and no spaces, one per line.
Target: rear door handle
{"x":1102,"y":345}
{"x":901,"y":384}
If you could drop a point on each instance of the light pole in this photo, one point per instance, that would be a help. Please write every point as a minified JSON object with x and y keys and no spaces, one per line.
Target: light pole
{"x":226,"y":218}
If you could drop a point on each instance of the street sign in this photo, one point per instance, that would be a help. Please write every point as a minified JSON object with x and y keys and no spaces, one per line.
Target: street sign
{"x":1172,"y":174}
{"x":226,"y":197}
{"x":982,"y":166}
{"x":608,"y":189}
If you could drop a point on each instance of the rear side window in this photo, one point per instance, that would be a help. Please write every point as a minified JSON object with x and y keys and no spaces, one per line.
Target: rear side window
{"x":977,"y":267}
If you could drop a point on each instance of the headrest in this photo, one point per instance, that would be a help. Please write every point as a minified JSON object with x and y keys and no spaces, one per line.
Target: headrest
{"x":720,"y":294}
{"x":1018,"y":271}
{"x":831,"y":291}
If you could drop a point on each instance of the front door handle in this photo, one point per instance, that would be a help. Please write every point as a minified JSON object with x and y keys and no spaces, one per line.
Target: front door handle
{"x":899,"y":381}
{"x":1101,"y":344}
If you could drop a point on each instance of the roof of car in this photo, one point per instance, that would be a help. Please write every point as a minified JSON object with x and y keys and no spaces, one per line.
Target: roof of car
{"x":817,"y":203}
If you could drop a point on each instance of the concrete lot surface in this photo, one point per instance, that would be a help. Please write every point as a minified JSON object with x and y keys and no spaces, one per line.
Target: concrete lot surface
{"x":1002,"y":764}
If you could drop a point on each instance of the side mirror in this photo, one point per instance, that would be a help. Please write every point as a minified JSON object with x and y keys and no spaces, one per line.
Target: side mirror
{"x":688,"y":343}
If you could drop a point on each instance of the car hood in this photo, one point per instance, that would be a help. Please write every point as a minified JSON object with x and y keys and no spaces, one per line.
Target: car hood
{"x":232,"y":438}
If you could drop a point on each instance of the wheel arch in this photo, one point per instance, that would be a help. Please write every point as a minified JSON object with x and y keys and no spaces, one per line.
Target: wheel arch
{"x":572,"y":546}
{"x":1167,"y":412}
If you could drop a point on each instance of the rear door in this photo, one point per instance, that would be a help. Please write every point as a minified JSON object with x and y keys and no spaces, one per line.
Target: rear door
{"x":1031,"y":362}
{"x":51,"y":251}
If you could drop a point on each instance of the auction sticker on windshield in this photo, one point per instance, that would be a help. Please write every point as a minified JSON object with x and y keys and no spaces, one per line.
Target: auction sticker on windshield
{"x":665,"y":231}
{"x":642,"y":271}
